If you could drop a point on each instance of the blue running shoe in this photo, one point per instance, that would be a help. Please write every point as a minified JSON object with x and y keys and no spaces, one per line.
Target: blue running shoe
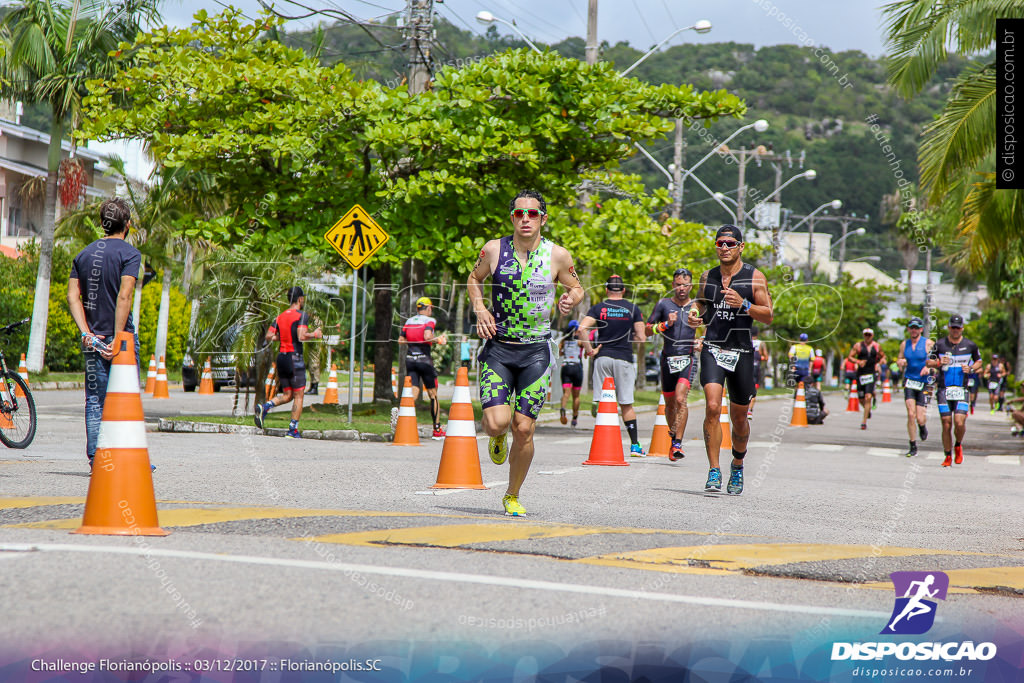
{"x":637,"y":451}
{"x":261,"y":412}
{"x":735,"y":485}
{"x":714,"y":483}
{"x":293,"y":434}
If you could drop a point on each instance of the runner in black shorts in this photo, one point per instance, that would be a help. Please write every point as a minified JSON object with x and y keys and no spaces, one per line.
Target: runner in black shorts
{"x":678,"y":357}
{"x":913,"y":356}
{"x":954,"y":357}
{"x":515,"y":363}
{"x":418,"y":334}
{"x":729,"y":298}
{"x":291,"y":329}
{"x":867,"y":355}
{"x":572,"y":371}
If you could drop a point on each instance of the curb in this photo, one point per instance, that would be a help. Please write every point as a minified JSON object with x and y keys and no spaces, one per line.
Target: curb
{"x":190,"y":427}
{"x":59,"y":386}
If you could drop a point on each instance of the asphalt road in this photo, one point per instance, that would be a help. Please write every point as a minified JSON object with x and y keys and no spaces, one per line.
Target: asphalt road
{"x":340,"y":550}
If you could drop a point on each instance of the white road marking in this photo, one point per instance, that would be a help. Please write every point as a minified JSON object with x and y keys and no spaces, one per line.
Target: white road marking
{"x":565,"y":471}
{"x":830,"y":447}
{"x":572,"y":441}
{"x":447,"y":577}
{"x":1004,"y":459}
{"x":884,"y":452}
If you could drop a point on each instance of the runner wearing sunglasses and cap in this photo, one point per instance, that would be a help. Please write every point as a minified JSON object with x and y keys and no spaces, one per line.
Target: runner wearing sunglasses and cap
{"x":867,"y":355}
{"x":729,"y":298}
{"x":955,"y":357}
{"x":914,"y":352}
{"x":516,"y":360}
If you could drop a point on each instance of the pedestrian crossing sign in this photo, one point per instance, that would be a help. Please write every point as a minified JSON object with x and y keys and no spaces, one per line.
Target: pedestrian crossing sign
{"x":356,"y":236}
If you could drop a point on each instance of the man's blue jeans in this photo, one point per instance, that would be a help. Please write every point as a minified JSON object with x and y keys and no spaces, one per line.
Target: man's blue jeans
{"x":97,"y":372}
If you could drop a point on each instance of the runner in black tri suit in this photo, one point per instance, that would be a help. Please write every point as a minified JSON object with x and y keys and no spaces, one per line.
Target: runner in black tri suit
{"x":867,"y":355}
{"x":678,"y":356}
{"x":516,"y":361}
{"x":954,"y":357}
{"x":996,"y":380}
{"x":572,"y":372}
{"x":729,"y":298}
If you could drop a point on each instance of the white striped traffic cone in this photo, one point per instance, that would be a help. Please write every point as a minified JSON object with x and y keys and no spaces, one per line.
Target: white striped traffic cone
{"x":23,"y":371}
{"x":661,"y":441}
{"x":331,"y":394}
{"x":406,"y":431}
{"x":206,"y":382}
{"x":460,"y":457}
{"x":799,"y":418}
{"x":160,"y":390}
{"x":606,"y":445}
{"x":151,"y":376}
{"x":121,"y":500}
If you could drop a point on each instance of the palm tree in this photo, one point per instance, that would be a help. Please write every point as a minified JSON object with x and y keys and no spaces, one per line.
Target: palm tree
{"x":50,"y":49}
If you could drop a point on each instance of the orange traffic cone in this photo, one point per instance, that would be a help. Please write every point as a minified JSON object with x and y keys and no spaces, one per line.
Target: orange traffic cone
{"x":886,"y":391}
{"x":661,"y":442}
{"x":160,"y":390}
{"x":23,"y":371}
{"x":270,"y":384}
{"x":206,"y":382}
{"x":460,"y":458}
{"x":151,"y":376}
{"x":121,"y":500}
{"x":331,"y":395}
{"x":799,"y":418}
{"x":406,"y":432}
{"x":853,"y":405}
{"x":394,"y":382}
{"x":725,"y":424}
{"x":606,"y":446}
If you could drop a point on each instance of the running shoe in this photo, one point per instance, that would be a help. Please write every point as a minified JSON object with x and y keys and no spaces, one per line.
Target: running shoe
{"x":438,"y":434}
{"x":992,"y":412}
{"x":593,"y":410}
{"x":261,"y":412}
{"x":922,"y":431}
{"x":863,"y":425}
{"x":912,"y":453}
{"x":948,"y":461}
{"x":735,"y":485}
{"x":561,"y":415}
{"x":972,"y":409}
{"x":637,"y":451}
{"x":293,"y":434}
{"x":512,"y":506}
{"x":750,"y":416}
{"x":675,"y":452}
{"x":958,"y":454}
{"x":497,"y":448}
{"x":573,"y":424}
{"x":714,"y":482}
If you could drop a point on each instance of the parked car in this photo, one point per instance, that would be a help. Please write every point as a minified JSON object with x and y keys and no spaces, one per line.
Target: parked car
{"x":652,"y":368}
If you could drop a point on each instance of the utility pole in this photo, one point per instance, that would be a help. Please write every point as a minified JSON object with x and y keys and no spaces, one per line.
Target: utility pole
{"x":591,"y":49}
{"x":419,"y":40}
{"x":677,"y":172}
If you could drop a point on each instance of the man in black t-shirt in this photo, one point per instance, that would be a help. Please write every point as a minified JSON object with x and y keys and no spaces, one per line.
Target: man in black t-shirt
{"x":618,"y":322}
{"x":100,"y":293}
{"x":678,"y":358}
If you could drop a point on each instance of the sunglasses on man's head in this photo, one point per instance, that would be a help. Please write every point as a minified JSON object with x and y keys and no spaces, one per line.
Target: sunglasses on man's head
{"x":532,"y":213}
{"x":727,"y":244}
{"x":682,"y":271}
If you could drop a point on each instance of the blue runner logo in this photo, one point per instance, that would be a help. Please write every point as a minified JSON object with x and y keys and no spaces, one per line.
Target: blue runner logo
{"x":914,"y":611}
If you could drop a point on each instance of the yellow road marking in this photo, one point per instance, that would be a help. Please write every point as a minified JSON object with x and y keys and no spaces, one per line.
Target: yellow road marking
{"x":37,"y":501}
{"x":971,"y":580}
{"x":729,"y":557}
{"x":455,"y":535}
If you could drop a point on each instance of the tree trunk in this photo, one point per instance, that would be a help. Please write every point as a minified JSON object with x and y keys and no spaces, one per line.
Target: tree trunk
{"x":1020,"y":343}
{"x":137,"y":303}
{"x":383,"y":313}
{"x":165,"y":311}
{"x":41,"y":304}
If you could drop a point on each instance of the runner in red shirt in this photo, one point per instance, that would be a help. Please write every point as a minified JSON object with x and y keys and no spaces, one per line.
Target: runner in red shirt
{"x":291,"y":329}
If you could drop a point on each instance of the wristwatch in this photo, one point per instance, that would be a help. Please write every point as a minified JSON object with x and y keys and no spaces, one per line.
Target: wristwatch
{"x":746,"y":305}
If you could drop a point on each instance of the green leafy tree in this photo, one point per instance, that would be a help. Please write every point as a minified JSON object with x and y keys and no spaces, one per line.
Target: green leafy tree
{"x":48,"y":50}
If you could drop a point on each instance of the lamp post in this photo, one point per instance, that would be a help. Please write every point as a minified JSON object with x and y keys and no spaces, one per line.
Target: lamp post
{"x":835,"y":204}
{"x":485,"y":17}
{"x":761,"y":125}
{"x":841,"y":242}
{"x":702,"y":26}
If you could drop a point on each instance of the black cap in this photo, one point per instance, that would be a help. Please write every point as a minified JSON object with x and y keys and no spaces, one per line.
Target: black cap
{"x":294,"y":293}
{"x":956,"y":320}
{"x":730,"y":231}
{"x":915,"y":322}
{"x":615,"y":284}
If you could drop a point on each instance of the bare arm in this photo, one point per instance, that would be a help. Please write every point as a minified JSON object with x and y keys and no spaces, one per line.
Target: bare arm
{"x":76,"y":307}
{"x":124,"y":303}
{"x":901,"y":360}
{"x":586,"y":325}
{"x":695,"y":318}
{"x":639,"y":333}
{"x":481,"y":271}
{"x":761,"y":308}
{"x":305,"y":335}
{"x":565,"y":273}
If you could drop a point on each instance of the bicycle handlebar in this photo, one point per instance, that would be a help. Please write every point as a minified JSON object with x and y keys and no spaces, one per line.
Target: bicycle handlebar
{"x":13,"y":326}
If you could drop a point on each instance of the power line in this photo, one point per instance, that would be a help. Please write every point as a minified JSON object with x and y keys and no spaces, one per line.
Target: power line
{"x":675,"y":24}
{"x":465,"y":23}
{"x":654,"y":41}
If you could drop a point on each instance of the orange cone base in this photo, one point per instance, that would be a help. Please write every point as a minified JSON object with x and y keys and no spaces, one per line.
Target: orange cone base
{"x":460,"y":470}
{"x":120,"y":500}
{"x":660,"y":445}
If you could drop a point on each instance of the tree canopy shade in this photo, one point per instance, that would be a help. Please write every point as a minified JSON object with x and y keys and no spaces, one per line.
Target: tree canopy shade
{"x":291,"y":145}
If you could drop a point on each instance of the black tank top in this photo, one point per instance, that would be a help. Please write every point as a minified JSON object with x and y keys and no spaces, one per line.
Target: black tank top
{"x":869,"y":354}
{"x":730,"y":327}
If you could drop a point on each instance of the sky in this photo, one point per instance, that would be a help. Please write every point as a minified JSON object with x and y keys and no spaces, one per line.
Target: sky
{"x":836,"y":24}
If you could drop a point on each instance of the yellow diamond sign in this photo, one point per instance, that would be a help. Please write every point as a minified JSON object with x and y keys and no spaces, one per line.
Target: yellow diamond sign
{"x":356,"y":236}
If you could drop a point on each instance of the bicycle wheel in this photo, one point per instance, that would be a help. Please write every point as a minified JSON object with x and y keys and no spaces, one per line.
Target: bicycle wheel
{"x":18,"y":416}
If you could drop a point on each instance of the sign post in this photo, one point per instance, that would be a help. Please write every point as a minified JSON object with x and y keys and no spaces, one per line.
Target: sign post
{"x":356,"y":237}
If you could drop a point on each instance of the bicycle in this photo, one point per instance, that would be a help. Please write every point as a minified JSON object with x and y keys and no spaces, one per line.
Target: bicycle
{"x":17,"y":413}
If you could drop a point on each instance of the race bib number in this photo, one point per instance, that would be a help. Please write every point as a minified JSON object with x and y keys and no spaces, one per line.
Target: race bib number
{"x":913,"y":384}
{"x":992,"y":386}
{"x":726,"y":360}
{"x":955,"y":394}
{"x":678,"y":363}
{"x":866,"y":379}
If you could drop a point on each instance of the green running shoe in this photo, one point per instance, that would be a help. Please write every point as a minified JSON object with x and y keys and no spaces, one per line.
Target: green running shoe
{"x":512,"y":506}
{"x":714,"y":483}
{"x":735,"y":485}
{"x":497,"y":448}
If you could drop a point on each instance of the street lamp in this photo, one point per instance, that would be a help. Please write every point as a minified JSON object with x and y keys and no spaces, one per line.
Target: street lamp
{"x":842,"y":252}
{"x":702,"y":26}
{"x":810,"y":174}
{"x":835,"y":204}
{"x":761,"y":125}
{"x":485,"y":17}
